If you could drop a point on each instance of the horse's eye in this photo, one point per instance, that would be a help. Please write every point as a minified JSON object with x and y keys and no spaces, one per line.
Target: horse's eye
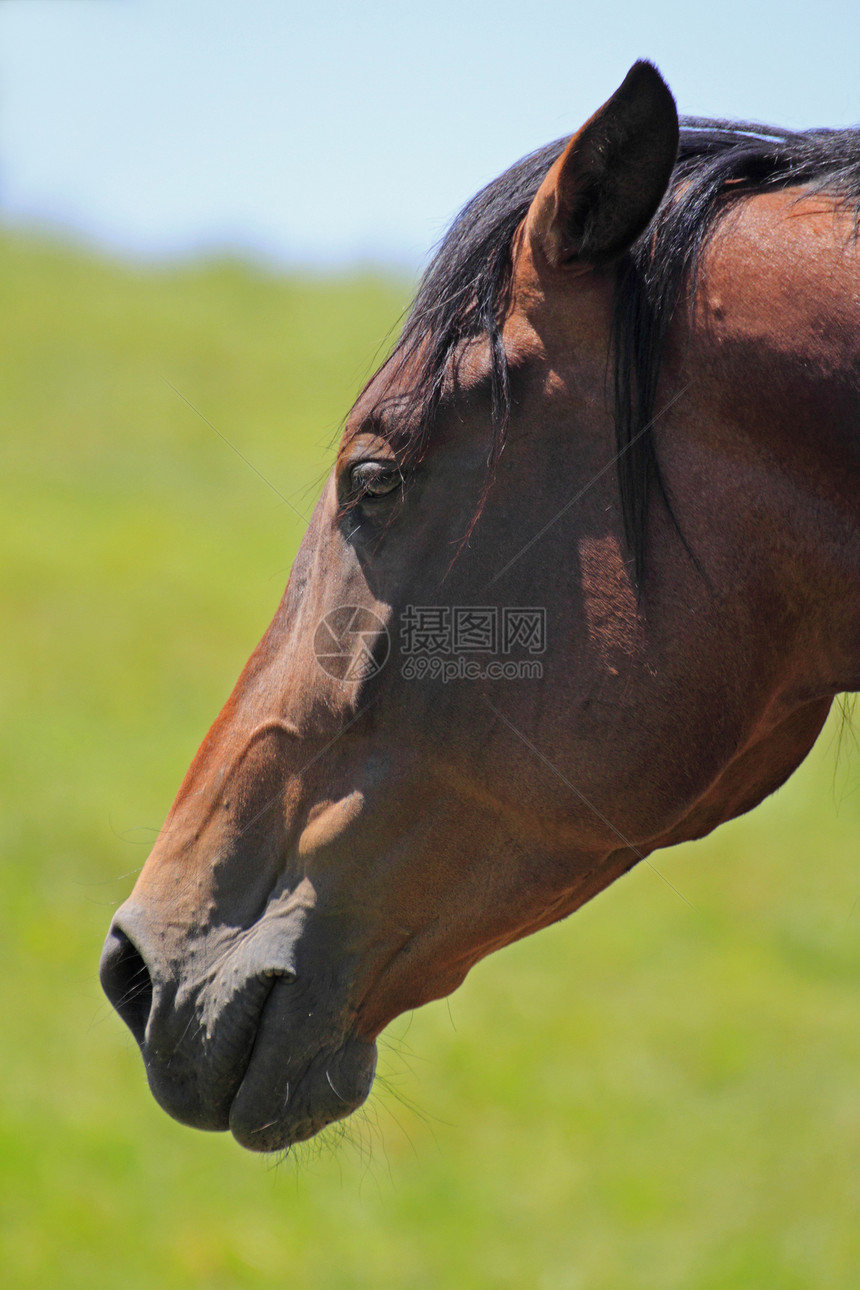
{"x":375,"y":478}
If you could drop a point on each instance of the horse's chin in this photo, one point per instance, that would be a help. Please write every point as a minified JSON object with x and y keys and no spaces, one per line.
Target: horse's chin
{"x":291,"y":1090}
{"x":272,"y":1116}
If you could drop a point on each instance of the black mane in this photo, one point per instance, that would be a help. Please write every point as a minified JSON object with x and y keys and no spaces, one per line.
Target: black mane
{"x":463,"y":292}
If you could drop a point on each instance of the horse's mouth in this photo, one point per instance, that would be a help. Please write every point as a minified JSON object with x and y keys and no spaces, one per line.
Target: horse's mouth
{"x":275,"y":1070}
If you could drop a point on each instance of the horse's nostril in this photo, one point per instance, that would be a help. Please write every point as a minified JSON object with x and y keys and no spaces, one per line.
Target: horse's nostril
{"x":126,"y":981}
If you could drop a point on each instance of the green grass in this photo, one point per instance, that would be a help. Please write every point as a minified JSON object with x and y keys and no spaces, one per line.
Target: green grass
{"x":654,"y":1094}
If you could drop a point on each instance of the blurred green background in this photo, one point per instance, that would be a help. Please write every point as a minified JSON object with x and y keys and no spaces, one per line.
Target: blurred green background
{"x":654,"y":1094}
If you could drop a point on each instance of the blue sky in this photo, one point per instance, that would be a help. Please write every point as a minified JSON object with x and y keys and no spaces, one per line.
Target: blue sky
{"x":340,"y":132}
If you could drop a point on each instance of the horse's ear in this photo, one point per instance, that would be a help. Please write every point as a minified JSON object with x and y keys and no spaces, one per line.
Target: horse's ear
{"x":605,"y":187}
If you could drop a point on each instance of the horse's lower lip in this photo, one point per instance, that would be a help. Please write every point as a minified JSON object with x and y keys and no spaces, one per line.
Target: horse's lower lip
{"x":262,"y":1113}
{"x":263,"y":1119}
{"x":297,"y":1081}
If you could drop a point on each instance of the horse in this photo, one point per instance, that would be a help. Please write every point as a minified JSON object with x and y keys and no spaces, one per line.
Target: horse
{"x":582,"y":583}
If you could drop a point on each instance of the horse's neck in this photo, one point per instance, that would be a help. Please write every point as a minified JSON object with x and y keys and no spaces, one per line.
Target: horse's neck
{"x":805,"y":486}
{"x":779,"y":327}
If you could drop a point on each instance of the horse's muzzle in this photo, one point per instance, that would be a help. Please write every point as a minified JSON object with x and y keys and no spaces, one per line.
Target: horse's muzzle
{"x":232,"y":1036}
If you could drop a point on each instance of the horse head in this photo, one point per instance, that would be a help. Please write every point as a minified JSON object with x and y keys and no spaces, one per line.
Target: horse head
{"x":471,"y":712}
